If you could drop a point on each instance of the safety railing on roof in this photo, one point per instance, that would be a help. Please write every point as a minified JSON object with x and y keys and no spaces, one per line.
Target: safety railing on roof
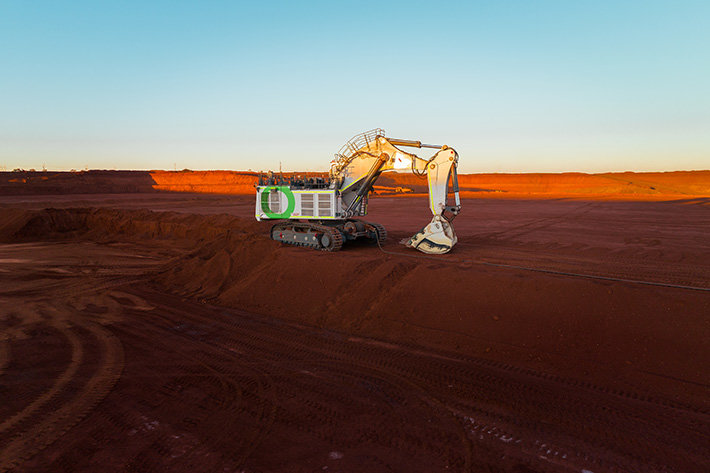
{"x":357,"y":142}
{"x":348,"y":150}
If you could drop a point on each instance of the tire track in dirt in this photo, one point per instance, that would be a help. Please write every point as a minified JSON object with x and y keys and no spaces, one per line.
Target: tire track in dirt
{"x":77,"y":356}
{"x":404,"y":384}
{"x":490,"y":384}
{"x":692,"y":278}
{"x":259,"y":345}
{"x":482,"y":415}
{"x":539,"y":224}
{"x":245,"y":324}
{"x":83,"y":384}
{"x":53,"y":419}
{"x":486,"y":385}
{"x":250,"y":392}
{"x":631,"y":395}
{"x":5,"y":354}
{"x":78,"y":286}
{"x":406,"y":387}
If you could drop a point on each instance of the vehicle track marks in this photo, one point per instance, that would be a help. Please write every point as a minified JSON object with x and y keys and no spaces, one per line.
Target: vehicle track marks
{"x":5,"y":354}
{"x":458,"y":388}
{"x":77,"y":355}
{"x":55,"y":422}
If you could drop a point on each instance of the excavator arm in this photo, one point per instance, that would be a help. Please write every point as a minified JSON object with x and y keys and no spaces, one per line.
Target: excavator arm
{"x":356,"y":173}
{"x":438,"y":236}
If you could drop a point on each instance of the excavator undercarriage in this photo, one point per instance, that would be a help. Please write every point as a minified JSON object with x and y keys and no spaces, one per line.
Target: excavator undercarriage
{"x":320,"y":212}
{"x":326,"y":236}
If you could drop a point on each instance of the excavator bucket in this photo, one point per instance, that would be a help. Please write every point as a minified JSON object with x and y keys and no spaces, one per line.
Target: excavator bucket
{"x":436,"y":238}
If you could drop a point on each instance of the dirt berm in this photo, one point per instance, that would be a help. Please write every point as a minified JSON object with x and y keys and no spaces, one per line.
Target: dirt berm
{"x":626,"y":334}
{"x":614,"y":186}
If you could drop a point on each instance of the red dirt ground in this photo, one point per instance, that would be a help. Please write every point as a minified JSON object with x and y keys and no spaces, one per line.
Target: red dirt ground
{"x":165,"y":331}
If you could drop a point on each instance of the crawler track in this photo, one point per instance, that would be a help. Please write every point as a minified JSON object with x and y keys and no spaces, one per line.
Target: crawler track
{"x":310,"y":235}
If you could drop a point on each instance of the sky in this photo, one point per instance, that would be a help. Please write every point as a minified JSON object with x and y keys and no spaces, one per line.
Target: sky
{"x":513,"y":86}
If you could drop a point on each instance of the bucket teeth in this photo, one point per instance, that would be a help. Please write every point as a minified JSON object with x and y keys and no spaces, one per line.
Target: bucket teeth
{"x":436,"y":238}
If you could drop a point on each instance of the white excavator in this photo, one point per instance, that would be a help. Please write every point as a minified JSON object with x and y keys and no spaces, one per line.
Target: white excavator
{"x":320,"y":212}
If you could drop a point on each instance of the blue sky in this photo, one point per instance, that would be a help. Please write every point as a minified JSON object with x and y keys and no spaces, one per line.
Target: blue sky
{"x":514,"y":86}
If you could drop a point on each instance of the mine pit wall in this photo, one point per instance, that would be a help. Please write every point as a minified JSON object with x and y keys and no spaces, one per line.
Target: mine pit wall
{"x":211,"y":182}
{"x":582,"y":328}
{"x":20,"y":225}
{"x":633,"y":186}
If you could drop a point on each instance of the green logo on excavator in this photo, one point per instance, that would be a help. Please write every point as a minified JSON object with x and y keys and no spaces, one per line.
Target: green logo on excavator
{"x":265,"y":201}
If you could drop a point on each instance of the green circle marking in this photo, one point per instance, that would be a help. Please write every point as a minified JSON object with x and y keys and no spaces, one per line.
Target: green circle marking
{"x":265,"y":202}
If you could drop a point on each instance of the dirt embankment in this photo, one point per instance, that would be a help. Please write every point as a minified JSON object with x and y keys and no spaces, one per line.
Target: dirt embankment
{"x":617,"y":332}
{"x":212,"y":182}
{"x":626,"y":186}
{"x":126,"y":182}
{"x":75,"y":182}
{"x":19,"y":225}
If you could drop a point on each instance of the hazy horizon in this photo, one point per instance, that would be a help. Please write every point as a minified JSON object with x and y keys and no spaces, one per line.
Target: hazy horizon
{"x":4,"y":168}
{"x":514,"y":87}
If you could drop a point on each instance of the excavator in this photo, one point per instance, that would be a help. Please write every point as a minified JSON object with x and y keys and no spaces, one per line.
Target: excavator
{"x":321,"y":212}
